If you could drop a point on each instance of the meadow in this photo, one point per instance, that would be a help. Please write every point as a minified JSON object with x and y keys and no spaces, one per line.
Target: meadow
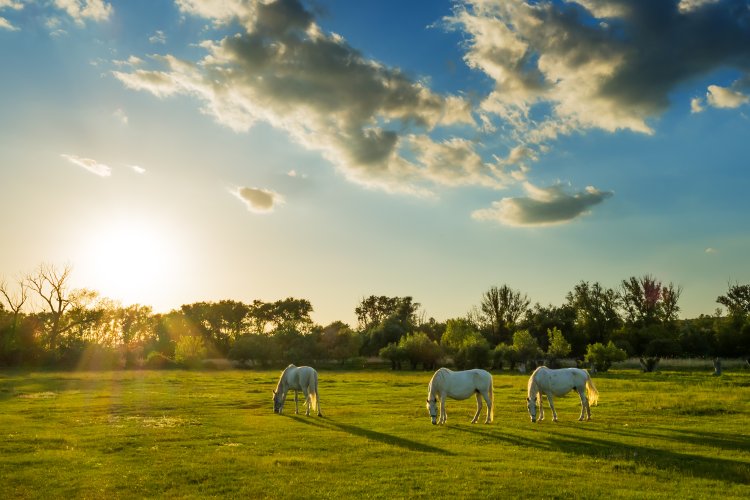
{"x":204,"y":434}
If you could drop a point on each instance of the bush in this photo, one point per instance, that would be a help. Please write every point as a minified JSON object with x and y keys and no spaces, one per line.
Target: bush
{"x":395,"y":354}
{"x":473,"y":355}
{"x":189,"y":351}
{"x":420,"y":349}
{"x":158,"y":361}
{"x":558,"y":348}
{"x":601,"y":357}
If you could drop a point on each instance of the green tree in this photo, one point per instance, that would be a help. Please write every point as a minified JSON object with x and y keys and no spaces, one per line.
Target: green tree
{"x":736,"y":300}
{"x":500,"y":310}
{"x":596,"y":310}
{"x":558,"y":348}
{"x":189,"y":350}
{"x":420,"y":349}
{"x":458,"y":332}
{"x":395,"y":354}
{"x":525,"y":346}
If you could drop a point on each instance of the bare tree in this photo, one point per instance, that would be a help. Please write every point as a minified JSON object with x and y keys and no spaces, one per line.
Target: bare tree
{"x":52,"y":285}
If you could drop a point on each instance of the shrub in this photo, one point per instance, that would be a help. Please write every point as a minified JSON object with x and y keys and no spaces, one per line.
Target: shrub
{"x":474,"y":354}
{"x":393,"y":353}
{"x":601,"y":357}
{"x":189,"y":351}
{"x":158,"y":361}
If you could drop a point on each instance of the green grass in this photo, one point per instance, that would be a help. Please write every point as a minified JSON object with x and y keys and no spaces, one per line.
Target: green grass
{"x":178,"y":434}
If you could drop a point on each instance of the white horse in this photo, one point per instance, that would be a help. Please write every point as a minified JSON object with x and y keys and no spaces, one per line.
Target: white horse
{"x":558,"y":383}
{"x":303,"y":379}
{"x":460,"y":385}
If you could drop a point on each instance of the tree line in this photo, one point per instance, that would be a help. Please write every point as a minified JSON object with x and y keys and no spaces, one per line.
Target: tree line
{"x":43,"y":322}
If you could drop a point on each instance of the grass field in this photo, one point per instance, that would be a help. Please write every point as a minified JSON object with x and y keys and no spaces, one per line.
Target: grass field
{"x":181,"y":434}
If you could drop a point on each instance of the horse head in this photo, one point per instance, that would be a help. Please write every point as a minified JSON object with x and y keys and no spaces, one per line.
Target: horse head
{"x":531,"y":405}
{"x":278,"y":402}
{"x":432,"y":408}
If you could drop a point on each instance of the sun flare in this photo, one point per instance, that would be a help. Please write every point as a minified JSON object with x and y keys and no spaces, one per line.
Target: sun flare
{"x":132,"y":261}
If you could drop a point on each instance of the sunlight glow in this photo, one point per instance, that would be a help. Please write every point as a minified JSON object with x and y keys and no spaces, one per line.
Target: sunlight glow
{"x":132,"y":261}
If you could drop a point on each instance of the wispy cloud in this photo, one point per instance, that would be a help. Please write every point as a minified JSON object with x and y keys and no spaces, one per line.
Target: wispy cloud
{"x":158,"y":37}
{"x":137,"y":169}
{"x":82,"y":10}
{"x":120,"y":115}
{"x":7,"y":25}
{"x":722,"y":97}
{"x":542,"y":206}
{"x":257,"y":200}
{"x":92,"y":166}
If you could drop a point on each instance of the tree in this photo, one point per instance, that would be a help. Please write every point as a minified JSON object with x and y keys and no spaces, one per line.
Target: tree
{"x":420,"y":349}
{"x":458,"y":332}
{"x":540,"y":319}
{"x":596,"y":310}
{"x":525,"y":346}
{"x":647,"y":301}
{"x":736,"y":300}
{"x":190,"y":350}
{"x":393,"y":353}
{"x":385,"y":320}
{"x":340,"y":341}
{"x":558,"y":348}
{"x":500,"y":310}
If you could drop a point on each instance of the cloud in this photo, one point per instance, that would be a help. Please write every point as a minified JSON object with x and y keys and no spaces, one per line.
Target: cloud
{"x":710,"y":250}
{"x":158,"y":37}
{"x":565,"y":66}
{"x":259,"y":201}
{"x":120,"y":115}
{"x":92,"y":166}
{"x":696,"y":105}
{"x":721,"y":97}
{"x":137,"y":169}
{"x":369,"y":120}
{"x":542,"y":206}
{"x":7,"y":25}
{"x":82,"y":10}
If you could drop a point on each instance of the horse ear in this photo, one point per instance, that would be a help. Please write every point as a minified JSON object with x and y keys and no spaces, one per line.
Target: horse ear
{"x":527,"y":400}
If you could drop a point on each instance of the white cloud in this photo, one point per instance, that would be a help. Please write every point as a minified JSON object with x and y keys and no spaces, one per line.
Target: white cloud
{"x":722,"y":97}
{"x":687,"y":6}
{"x":711,"y":250}
{"x":121,"y":116}
{"x":158,"y":37}
{"x":7,"y":25}
{"x":542,"y":206}
{"x":82,"y":10}
{"x":92,"y":166}
{"x":696,"y":105}
{"x":137,"y":169}
{"x":257,"y":200}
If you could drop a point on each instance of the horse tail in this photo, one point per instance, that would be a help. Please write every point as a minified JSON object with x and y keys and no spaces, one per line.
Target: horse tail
{"x":491,"y":409}
{"x":591,"y":392}
{"x":314,"y":393}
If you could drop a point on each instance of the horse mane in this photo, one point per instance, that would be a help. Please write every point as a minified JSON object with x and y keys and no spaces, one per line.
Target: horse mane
{"x":436,"y":378}
{"x":282,"y":378}
{"x":532,"y":385}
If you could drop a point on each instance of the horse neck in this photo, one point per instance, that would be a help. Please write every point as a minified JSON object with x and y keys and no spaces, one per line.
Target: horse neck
{"x":533,"y":389}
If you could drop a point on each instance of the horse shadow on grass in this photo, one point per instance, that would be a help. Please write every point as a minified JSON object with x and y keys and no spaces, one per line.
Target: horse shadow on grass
{"x":712,"y":468}
{"x":699,"y":438}
{"x":380,"y":437}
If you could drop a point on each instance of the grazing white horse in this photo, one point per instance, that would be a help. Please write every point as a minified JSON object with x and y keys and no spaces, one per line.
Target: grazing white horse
{"x":558,"y":383}
{"x":304,"y":379}
{"x":460,"y":385}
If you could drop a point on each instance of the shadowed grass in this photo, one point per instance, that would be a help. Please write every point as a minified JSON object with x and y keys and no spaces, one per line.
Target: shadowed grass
{"x":213,"y":434}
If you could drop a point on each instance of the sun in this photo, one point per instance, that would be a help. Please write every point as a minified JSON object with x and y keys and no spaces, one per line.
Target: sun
{"x":130,"y":260}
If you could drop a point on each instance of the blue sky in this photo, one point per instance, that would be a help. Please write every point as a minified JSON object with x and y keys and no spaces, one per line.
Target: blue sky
{"x":188,"y":150}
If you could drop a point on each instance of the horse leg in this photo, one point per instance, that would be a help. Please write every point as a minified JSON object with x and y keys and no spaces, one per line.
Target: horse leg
{"x":443,"y":414}
{"x":541,"y":407}
{"x":585,"y":408}
{"x":296,"y":405}
{"x":552,"y":407}
{"x":479,"y":408}
{"x":489,"y":408}
{"x":307,"y":402}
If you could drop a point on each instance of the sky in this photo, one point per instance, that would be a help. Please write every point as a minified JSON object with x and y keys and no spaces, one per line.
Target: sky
{"x":177,"y":151}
